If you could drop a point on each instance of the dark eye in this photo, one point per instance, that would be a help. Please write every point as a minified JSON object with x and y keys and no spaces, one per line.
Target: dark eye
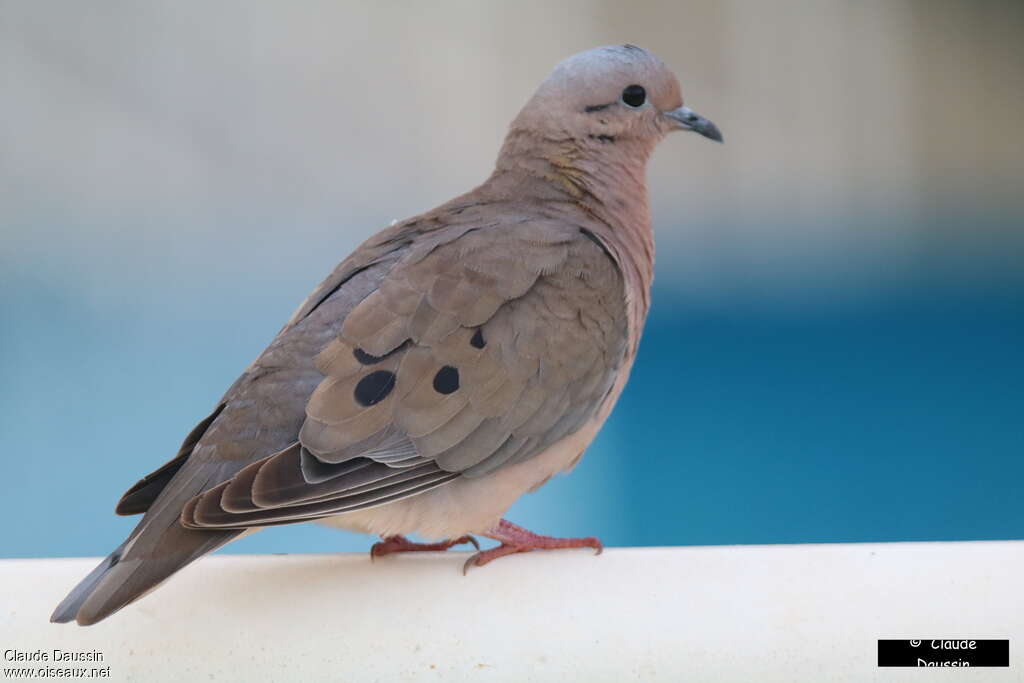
{"x":634,"y":95}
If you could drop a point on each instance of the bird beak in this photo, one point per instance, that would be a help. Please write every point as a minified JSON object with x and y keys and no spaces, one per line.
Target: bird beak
{"x":687,"y":119}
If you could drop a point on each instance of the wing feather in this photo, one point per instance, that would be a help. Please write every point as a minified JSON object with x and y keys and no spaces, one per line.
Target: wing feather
{"x":483,"y":345}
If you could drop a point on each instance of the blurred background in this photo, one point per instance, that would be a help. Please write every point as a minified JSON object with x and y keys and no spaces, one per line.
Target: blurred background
{"x":835,"y":348}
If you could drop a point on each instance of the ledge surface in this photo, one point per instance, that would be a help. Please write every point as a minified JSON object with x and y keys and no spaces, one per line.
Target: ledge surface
{"x":726,"y":613}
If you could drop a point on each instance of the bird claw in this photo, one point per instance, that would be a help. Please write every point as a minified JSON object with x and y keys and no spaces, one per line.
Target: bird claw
{"x":400,"y":544}
{"x":515,"y":539}
{"x":483,"y":557}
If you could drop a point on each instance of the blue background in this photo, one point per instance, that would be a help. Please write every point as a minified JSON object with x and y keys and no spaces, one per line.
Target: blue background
{"x":886,"y":421}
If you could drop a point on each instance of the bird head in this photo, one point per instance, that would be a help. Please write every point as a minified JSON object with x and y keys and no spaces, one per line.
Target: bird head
{"x":611,"y":94}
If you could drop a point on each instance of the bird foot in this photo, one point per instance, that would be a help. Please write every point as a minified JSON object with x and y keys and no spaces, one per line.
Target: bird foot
{"x":516,"y":539}
{"x":401,"y":544}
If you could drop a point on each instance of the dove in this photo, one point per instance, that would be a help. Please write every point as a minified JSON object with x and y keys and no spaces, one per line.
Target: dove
{"x":452,"y":363}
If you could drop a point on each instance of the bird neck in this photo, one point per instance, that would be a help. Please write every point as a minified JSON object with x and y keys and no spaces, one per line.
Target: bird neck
{"x":599,"y":182}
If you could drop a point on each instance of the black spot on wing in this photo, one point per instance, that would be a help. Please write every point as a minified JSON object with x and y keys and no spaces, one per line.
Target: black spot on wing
{"x":366,"y":358}
{"x":375,"y":387}
{"x":477,"y":342}
{"x":446,"y":381}
{"x":369,"y":359}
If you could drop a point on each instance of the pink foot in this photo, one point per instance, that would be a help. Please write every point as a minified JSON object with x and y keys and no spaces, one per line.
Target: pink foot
{"x":401,"y":544}
{"x":516,"y":539}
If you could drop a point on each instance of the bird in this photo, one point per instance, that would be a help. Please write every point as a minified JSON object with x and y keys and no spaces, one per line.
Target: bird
{"x":453,"y":362}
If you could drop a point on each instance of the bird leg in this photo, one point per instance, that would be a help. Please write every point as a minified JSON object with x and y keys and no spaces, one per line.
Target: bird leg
{"x":401,"y":544}
{"x":516,"y":539}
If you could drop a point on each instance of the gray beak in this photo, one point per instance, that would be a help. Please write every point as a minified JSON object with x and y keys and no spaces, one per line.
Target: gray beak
{"x":687,"y":119}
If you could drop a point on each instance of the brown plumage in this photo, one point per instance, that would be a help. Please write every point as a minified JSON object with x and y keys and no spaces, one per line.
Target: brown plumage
{"x":453,"y":362}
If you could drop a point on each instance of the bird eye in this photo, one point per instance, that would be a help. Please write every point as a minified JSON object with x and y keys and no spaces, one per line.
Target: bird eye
{"x":634,"y":95}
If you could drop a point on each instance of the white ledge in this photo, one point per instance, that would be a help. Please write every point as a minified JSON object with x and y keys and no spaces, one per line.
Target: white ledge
{"x":758,"y":613}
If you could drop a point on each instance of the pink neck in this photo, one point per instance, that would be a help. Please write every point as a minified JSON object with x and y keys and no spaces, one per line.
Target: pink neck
{"x":605,"y":181}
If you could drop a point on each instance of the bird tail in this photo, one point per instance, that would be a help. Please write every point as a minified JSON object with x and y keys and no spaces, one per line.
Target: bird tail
{"x":68,"y":608}
{"x":157,"y":548}
{"x":122,"y":578}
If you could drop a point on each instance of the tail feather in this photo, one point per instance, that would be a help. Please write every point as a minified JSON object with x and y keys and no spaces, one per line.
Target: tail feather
{"x":67,"y":610}
{"x":157,"y":548}
{"x":133,"y":578}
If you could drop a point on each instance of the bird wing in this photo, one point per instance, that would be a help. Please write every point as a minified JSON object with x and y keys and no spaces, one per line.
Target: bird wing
{"x":486,"y":342}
